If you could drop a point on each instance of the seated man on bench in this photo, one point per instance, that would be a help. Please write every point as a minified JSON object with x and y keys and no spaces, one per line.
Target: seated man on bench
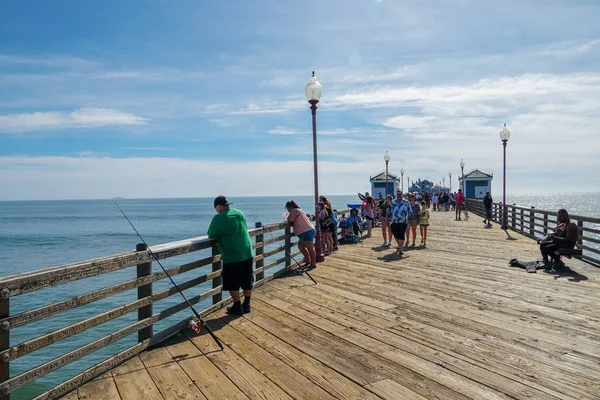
{"x":564,"y":236}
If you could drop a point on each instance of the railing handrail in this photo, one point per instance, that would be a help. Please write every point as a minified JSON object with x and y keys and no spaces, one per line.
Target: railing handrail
{"x":29,"y":282}
{"x":554,"y":213}
{"x":527,"y":220}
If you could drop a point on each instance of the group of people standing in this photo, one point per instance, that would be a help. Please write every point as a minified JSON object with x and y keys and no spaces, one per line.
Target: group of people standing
{"x":399,"y":218}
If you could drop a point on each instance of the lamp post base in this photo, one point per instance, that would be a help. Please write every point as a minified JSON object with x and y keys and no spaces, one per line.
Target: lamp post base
{"x":319,"y":248}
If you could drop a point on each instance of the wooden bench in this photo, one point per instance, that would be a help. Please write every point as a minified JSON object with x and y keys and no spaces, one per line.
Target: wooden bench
{"x":570,"y":252}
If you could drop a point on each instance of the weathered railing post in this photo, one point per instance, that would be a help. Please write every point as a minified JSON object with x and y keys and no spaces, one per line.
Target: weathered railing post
{"x":545,"y":223}
{"x":580,"y":233}
{"x":532,"y":221}
{"x":513,"y":219}
{"x":288,"y":246}
{"x":144,"y":291}
{"x":260,"y":250}
{"x":4,"y":344}
{"x":216,"y":265}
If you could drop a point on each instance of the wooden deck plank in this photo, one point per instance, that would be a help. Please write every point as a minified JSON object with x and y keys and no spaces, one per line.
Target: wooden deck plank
{"x":420,"y":280}
{"x":208,"y":378}
{"x":350,"y":357}
{"x":452,"y":321}
{"x":213,"y":383}
{"x":583,"y":344}
{"x":314,"y":345}
{"x":384,"y":343}
{"x":137,"y":385}
{"x":155,"y":356}
{"x":287,"y":378}
{"x":513,"y":362}
{"x":390,"y":390}
{"x":532,"y":340}
{"x":451,"y":360}
{"x":332,"y":381}
{"x":131,"y":365}
{"x":99,"y":389}
{"x":71,"y":396}
{"x":247,"y":378}
{"x":174,"y":383}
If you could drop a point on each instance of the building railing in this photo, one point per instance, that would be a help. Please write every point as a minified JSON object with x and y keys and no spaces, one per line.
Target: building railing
{"x":31,"y":282}
{"x":536,"y":224}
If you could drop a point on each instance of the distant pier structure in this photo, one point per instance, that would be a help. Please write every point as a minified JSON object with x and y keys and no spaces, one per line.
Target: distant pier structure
{"x":421,"y":186}
{"x":476,"y":184}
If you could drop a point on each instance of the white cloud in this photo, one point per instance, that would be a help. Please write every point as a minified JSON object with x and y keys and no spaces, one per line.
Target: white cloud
{"x":50,"y":61}
{"x":81,"y":118}
{"x":569,"y":48}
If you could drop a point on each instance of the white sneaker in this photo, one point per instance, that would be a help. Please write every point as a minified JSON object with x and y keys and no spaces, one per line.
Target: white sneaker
{"x":384,"y":243}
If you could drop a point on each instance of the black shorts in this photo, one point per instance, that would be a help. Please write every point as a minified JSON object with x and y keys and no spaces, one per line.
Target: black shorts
{"x":488,"y":212}
{"x":238,"y":275}
{"x":369,"y":218}
{"x":398,"y":230}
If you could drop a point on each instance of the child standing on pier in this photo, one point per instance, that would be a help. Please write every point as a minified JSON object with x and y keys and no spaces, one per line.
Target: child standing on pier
{"x":424,"y":223}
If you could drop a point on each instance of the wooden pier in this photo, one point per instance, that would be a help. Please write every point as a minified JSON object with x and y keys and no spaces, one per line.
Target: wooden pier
{"x":450,"y":321}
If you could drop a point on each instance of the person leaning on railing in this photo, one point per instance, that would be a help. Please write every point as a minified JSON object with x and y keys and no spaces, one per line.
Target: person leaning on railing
{"x":564,"y":236}
{"x":305,"y":231}
{"x":229,"y":227}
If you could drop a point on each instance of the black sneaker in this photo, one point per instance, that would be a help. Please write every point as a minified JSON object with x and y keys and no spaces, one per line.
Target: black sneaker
{"x":246,"y":308}
{"x":235,"y":309}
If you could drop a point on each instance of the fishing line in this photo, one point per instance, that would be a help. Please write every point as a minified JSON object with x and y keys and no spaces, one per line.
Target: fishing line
{"x":303,"y":270}
{"x":193,"y":324}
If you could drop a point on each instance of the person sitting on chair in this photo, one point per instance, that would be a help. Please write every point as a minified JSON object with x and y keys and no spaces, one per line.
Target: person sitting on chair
{"x":564,"y":236}
{"x":354,"y":220}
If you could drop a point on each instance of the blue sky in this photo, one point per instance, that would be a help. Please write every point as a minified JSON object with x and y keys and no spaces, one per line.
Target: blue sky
{"x":195,"y":98}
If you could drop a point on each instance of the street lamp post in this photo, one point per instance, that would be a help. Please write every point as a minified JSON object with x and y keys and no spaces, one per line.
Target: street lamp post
{"x":402,"y":178}
{"x":504,"y":136}
{"x":462,"y":172}
{"x":443,"y":183}
{"x":386,"y":157}
{"x":408,"y":183}
{"x":313,"y":94}
{"x":450,"y":180}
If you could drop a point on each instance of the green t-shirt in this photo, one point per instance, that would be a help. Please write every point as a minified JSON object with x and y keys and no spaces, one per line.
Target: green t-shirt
{"x":229,"y":227}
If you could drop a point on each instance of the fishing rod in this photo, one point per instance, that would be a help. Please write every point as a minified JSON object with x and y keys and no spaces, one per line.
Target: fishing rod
{"x":303,"y":270}
{"x":193,"y":324}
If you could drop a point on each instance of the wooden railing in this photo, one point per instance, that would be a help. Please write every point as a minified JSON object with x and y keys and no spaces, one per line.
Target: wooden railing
{"x":536,"y":224}
{"x":267,"y":243}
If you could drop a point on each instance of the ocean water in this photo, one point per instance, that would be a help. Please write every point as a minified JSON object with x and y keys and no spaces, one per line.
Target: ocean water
{"x":41,"y":234}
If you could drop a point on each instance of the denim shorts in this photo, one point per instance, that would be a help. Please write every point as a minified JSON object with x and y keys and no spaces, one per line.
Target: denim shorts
{"x":307,"y":236}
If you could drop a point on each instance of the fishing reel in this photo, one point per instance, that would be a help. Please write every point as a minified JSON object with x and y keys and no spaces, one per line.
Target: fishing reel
{"x":195,"y":325}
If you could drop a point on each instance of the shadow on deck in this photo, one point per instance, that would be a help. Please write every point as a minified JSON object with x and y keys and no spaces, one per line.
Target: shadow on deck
{"x":452,"y":321}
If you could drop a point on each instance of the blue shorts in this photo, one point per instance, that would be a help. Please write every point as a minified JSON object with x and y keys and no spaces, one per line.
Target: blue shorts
{"x":307,"y":236}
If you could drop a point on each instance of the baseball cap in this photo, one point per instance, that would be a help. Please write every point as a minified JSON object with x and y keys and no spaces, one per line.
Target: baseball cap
{"x":221,"y":201}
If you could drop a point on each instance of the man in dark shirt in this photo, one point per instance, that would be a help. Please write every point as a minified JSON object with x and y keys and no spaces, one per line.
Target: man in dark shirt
{"x":487,"y":203}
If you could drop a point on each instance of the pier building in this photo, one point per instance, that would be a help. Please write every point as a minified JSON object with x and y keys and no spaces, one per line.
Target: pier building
{"x":476,"y":184}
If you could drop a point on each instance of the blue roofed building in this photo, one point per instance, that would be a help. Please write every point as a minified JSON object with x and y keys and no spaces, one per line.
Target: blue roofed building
{"x":476,"y":184}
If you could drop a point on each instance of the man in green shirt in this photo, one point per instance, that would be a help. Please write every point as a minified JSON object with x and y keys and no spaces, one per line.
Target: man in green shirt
{"x":229,"y":227}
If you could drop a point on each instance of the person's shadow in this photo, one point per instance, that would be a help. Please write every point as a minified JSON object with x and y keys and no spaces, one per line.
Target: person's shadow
{"x":380,"y":248}
{"x":392,"y":257}
{"x":571,"y":275}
